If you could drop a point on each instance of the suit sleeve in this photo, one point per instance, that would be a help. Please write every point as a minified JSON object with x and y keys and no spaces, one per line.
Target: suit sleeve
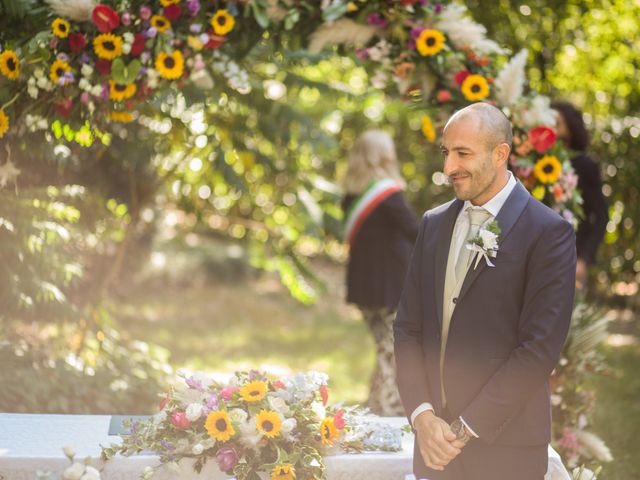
{"x":401,"y":216}
{"x":407,"y":333}
{"x":542,"y":329}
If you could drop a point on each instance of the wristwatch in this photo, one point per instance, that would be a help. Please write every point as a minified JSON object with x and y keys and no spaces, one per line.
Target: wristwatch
{"x":460,"y":431}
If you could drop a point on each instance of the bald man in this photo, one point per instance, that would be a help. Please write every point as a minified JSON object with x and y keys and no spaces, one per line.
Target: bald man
{"x":476,"y":338}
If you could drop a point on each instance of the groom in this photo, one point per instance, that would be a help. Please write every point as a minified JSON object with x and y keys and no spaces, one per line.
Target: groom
{"x":474,"y":343}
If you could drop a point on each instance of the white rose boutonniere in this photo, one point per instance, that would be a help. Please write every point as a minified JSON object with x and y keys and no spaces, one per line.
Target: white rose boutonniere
{"x":485,"y":244}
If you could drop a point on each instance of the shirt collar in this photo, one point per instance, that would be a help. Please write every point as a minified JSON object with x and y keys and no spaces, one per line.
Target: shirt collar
{"x":494,"y":205}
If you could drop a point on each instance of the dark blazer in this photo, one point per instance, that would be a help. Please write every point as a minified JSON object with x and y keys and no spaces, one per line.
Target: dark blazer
{"x":508,"y":327}
{"x":592,"y":227}
{"x":380,"y":254}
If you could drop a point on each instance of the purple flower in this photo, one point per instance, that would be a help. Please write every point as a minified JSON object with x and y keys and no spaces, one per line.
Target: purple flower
{"x":255,"y":375}
{"x":377,"y":20}
{"x":63,"y":56}
{"x":193,"y":7}
{"x":167,"y":445}
{"x":151,"y":33}
{"x":105,"y":92}
{"x":438,"y":8}
{"x":415,"y":32}
{"x":145,"y":57}
{"x":84,"y":58}
{"x":212,"y":403}
{"x":194,"y":384}
{"x":362,"y":53}
{"x":195,"y":28}
{"x":227,"y":458}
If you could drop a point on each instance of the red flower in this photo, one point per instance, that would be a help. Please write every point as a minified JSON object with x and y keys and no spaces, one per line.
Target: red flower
{"x":105,"y":18}
{"x":63,"y":107}
{"x":338,"y":419}
{"x":172,"y":11}
{"x":324,"y":394}
{"x":77,"y":42}
{"x":137,"y":47}
{"x":443,"y":96}
{"x":460,"y":76}
{"x":179,"y":420}
{"x":214,"y":40}
{"x":104,"y":67}
{"x":542,"y":138}
{"x":164,"y":402}
{"x":278,"y":385}
{"x":404,"y":3}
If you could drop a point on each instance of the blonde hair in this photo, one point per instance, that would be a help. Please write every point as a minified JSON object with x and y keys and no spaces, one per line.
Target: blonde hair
{"x":372,"y":157}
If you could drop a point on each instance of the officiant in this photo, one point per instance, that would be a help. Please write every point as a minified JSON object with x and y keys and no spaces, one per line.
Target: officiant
{"x":381,"y":229}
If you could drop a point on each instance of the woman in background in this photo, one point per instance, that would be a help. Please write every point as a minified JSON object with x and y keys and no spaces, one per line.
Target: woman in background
{"x":381,"y":229}
{"x":571,"y":129}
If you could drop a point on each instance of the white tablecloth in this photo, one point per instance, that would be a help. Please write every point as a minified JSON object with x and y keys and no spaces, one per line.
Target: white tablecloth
{"x":32,"y":442}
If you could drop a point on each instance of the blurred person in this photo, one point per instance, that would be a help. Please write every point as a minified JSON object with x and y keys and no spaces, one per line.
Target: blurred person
{"x":381,"y":229}
{"x":591,"y":228}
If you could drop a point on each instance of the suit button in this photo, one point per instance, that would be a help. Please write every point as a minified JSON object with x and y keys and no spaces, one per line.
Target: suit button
{"x":455,"y":300}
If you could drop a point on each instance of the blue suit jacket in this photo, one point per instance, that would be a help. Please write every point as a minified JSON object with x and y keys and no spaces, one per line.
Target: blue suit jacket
{"x":508,"y":327}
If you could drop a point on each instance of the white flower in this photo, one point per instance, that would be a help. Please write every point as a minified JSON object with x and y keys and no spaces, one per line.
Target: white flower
{"x":288,"y":426}
{"x":249,"y":434}
{"x":78,"y":10}
{"x":593,"y":446}
{"x":556,"y":400}
{"x":90,"y":474}
{"x":278,"y":404}
{"x":583,"y":473}
{"x":38,"y":73}
{"x":539,"y":113}
{"x":237,"y":415}
{"x":194,"y":411}
{"x":319,"y":410}
{"x":343,"y":31}
{"x":84,"y":84}
{"x":128,"y":37}
{"x":42,"y":82}
{"x":147,"y":473}
{"x":86,"y":70}
{"x":126,"y":48}
{"x":96,"y":91}
{"x":69,"y":451}
{"x":74,"y":472}
{"x":489,"y":239}
{"x":464,"y":32}
{"x":197,"y":449}
{"x":510,"y":81}
{"x":33,"y":91}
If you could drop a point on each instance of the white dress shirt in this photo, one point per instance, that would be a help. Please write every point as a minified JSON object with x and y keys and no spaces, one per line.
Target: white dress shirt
{"x":460,"y":229}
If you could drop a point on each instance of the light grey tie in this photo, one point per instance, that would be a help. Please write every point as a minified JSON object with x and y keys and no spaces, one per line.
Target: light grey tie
{"x":477,"y":216}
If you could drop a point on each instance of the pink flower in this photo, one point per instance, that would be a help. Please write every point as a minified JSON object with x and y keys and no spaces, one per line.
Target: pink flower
{"x":179,"y":420}
{"x":126,"y":19}
{"x":377,"y":20}
{"x":362,"y":53}
{"x":278,"y":385}
{"x":460,"y":76}
{"x":227,"y":458}
{"x":569,"y":441}
{"x":227,"y":392}
{"x":443,"y":96}
{"x":338,"y":419}
{"x":145,"y":13}
{"x":542,"y":138}
{"x":324,"y":394}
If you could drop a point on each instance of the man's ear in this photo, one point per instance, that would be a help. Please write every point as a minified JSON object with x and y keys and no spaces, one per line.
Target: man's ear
{"x":501,"y":153}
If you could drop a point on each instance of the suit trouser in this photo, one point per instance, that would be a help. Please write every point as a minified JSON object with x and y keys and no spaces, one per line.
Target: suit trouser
{"x":481,"y":461}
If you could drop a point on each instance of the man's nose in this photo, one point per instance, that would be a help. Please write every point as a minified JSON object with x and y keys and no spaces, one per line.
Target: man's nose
{"x":450,"y":164}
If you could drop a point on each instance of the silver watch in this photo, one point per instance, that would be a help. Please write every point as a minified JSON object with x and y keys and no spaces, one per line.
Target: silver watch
{"x":460,"y":431}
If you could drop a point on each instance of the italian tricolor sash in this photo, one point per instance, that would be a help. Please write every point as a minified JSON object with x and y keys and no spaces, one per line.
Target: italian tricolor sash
{"x":365,"y":204}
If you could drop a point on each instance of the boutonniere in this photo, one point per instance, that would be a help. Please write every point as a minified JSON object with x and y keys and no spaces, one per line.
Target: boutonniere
{"x":485,"y":244}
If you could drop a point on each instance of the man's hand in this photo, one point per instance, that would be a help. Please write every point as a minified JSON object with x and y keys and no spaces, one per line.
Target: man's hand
{"x":438,"y":444}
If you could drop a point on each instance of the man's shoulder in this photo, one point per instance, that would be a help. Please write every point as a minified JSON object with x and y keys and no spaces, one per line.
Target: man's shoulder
{"x":438,"y":211}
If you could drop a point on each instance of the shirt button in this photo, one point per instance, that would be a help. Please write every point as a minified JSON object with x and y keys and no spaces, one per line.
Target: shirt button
{"x":455,"y":300}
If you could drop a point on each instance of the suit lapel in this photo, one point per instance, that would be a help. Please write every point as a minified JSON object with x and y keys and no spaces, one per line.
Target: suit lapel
{"x":507,"y":218}
{"x":442,"y":252}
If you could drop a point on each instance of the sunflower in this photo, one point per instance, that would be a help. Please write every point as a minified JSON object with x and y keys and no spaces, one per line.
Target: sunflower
{"x":328,"y":431}
{"x":222,"y":23}
{"x":253,"y":391}
{"x":58,"y":69}
{"x":268,"y":423}
{"x":475,"y":87}
{"x":166,"y":3}
{"x":161,"y":23}
{"x":108,"y":46}
{"x":119,"y":92}
{"x":430,"y":42}
{"x":9,"y":64}
{"x":427,"y":129}
{"x":4,"y":123}
{"x":548,"y":169}
{"x":60,"y":28}
{"x":122,"y":117}
{"x":219,"y":426}
{"x":283,"y":472}
{"x":539,"y":192}
{"x":170,"y":66}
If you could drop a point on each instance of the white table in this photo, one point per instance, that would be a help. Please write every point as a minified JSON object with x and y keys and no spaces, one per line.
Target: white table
{"x":32,"y":442}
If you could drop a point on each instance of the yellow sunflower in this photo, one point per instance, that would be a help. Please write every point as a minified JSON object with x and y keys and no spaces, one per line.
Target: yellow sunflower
{"x":170,"y":66}
{"x":9,"y":64}
{"x":219,"y":426}
{"x":430,"y":42}
{"x":475,"y":87}
{"x":269,"y":423}
{"x":222,"y":23}
{"x":120,"y":92}
{"x":57,"y":71}
{"x":161,"y":23}
{"x":60,"y":28}
{"x":283,"y":472}
{"x":4,"y":123}
{"x":253,"y":391}
{"x":548,"y":169}
{"x":108,"y":46}
{"x":328,"y":431}
{"x":427,"y":129}
{"x":166,"y":3}
{"x":122,"y":117}
{"x":538,"y":192}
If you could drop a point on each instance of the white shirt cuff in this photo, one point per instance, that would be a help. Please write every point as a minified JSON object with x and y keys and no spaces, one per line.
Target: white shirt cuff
{"x":423,"y":407}
{"x":468,"y":427}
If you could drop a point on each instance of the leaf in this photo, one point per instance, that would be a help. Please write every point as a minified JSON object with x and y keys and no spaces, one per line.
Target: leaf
{"x":335,"y":11}
{"x":260,"y":12}
{"x":125,"y":74}
{"x":291,"y":19}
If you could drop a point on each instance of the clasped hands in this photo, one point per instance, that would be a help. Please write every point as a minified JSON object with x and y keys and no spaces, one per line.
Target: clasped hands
{"x":438,"y":444}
